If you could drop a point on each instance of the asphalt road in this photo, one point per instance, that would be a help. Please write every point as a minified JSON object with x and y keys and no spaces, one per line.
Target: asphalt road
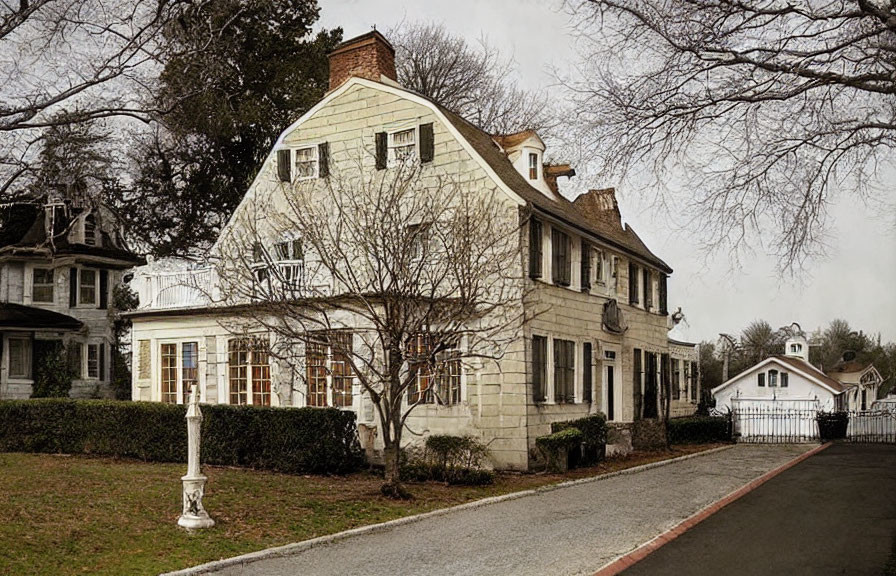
{"x":834,"y":513}
{"x":570,"y":530}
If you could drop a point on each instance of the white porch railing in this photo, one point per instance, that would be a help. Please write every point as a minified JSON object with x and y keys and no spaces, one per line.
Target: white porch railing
{"x":175,"y":289}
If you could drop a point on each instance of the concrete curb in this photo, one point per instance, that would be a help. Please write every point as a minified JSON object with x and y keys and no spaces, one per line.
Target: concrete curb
{"x":623,"y":562}
{"x":290,"y":549}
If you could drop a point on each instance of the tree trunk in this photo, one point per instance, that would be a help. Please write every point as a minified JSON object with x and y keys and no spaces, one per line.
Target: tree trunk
{"x":392,"y":486}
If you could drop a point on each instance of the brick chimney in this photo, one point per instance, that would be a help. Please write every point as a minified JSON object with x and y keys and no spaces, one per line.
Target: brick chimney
{"x":600,"y":205}
{"x":367,"y":56}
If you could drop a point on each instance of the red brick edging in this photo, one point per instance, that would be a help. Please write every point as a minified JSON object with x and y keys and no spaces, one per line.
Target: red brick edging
{"x":641,"y":552}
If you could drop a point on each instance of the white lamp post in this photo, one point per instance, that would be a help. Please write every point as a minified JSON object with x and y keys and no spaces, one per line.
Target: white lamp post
{"x":194,"y":515}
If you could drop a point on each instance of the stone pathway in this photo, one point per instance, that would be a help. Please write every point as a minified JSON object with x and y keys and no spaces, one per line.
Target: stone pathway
{"x":570,"y":530}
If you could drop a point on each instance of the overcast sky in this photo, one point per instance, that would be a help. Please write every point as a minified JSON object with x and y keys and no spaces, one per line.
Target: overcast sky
{"x":856,"y":281}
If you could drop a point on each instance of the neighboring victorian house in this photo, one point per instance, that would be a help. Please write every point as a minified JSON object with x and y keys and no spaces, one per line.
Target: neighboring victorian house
{"x":601,"y":343}
{"x":58,"y":264}
{"x":861,"y":380}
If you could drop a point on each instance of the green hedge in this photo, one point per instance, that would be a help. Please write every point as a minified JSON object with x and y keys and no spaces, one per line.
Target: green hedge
{"x":451,"y":459}
{"x":698,"y":430}
{"x":832,"y":425}
{"x":294,"y":440}
{"x":594,"y":437}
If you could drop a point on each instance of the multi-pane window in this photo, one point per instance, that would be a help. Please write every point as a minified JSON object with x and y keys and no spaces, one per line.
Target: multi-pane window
{"x":760,"y":379}
{"x":316,"y":372}
{"x":402,"y":145}
{"x":90,"y":230}
{"x":772,"y":378}
{"x":189,"y":369}
{"x":249,"y":371}
{"x":435,"y":379}
{"x":676,"y":379}
{"x":328,"y":369}
{"x":290,"y":257}
{"x":87,"y":292}
{"x":19,"y":358}
{"x":261,"y":373}
{"x":306,"y":163}
{"x":785,"y":379}
{"x":93,"y":361}
{"x":169,"y":373}
{"x":564,"y":370}
{"x":419,"y":237}
{"x":42,"y":285}
{"x":533,"y":166}
{"x":560,"y":257}
{"x":539,"y":368}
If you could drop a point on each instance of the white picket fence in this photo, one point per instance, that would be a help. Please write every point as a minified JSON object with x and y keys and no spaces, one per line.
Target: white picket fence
{"x":790,"y":424}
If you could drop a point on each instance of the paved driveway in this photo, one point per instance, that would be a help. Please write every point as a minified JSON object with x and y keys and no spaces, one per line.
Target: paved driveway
{"x":834,"y":513}
{"x":570,"y":530}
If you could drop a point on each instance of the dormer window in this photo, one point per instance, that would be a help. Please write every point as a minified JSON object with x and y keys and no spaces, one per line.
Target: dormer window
{"x":533,"y":166}
{"x":90,"y":230}
{"x":796,"y":348}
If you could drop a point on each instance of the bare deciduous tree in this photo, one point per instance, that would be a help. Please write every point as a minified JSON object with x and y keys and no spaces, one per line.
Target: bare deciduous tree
{"x":399,"y":274}
{"x":70,"y":61}
{"x":761,"y":109}
{"x":474,"y":81}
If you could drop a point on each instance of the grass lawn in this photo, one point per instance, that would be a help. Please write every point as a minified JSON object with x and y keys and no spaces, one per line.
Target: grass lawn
{"x":82,"y":515}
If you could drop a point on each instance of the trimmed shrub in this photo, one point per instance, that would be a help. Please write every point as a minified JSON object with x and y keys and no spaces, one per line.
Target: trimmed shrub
{"x":451,"y":459}
{"x":832,"y":425}
{"x":557,"y":447}
{"x":293,"y":440}
{"x":699,"y":430}
{"x":594,"y":431}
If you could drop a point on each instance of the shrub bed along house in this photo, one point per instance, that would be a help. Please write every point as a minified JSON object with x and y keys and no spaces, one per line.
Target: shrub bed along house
{"x":557,"y":447}
{"x":293,"y":440}
{"x":451,"y":459}
{"x":832,"y":425}
{"x":594,"y":431}
{"x":699,"y":430}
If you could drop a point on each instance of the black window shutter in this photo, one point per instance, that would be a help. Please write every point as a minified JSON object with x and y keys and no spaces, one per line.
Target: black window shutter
{"x":427,"y":143}
{"x":102,"y":374}
{"x":73,"y":288}
{"x":381,"y":151}
{"x":535,"y":253}
{"x":586,"y":372}
{"x":539,"y":366}
{"x":636,"y":382}
{"x":323,"y":159}
{"x":104,"y":289}
{"x":586,"y":266}
{"x":664,"y":294}
{"x":632,"y":283}
{"x":283,"y":165}
{"x":648,"y":289}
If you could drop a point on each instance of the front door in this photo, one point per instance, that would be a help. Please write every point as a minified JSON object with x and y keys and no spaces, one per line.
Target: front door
{"x":609,"y":392}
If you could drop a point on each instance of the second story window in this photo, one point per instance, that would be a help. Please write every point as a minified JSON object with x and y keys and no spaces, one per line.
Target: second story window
{"x":533,"y":166}
{"x":632,"y":283}
{"x":87,"y":287}
{"x":535,"y":254}
{"x":560,"y":257}
{"x":42,"y":285}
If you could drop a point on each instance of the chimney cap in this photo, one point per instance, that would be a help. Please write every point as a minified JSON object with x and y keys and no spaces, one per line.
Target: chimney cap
{"x":367,"y":38}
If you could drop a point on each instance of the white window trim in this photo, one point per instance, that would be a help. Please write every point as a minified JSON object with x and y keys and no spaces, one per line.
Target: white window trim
{"x":29,"y":350}
{"x":391,"y":158}
{"x":86,"y":361}
{"x":179,"y":366}
{"x":294,"y":161}
{"x":52,"y":284}
{"x":96,"y":288}
{"x":604,"y":390}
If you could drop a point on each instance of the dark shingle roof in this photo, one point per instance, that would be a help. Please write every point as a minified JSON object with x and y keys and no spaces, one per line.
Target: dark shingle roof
{"x":561,"y":208}
{"x":16,"y":316}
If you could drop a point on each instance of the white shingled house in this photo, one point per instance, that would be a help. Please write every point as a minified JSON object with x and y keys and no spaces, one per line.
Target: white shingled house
{"x":599,"y":342}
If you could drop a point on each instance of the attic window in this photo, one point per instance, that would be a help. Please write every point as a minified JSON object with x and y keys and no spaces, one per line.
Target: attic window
{"x":306,"y":163}
{"x":90,"y":230}
{"x":402,"y":145}
{"x":796,"y":348}
{"x":533,"y":166}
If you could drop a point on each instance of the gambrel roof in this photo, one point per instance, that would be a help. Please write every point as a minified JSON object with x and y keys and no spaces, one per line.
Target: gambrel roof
{"x":483,"y":148}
